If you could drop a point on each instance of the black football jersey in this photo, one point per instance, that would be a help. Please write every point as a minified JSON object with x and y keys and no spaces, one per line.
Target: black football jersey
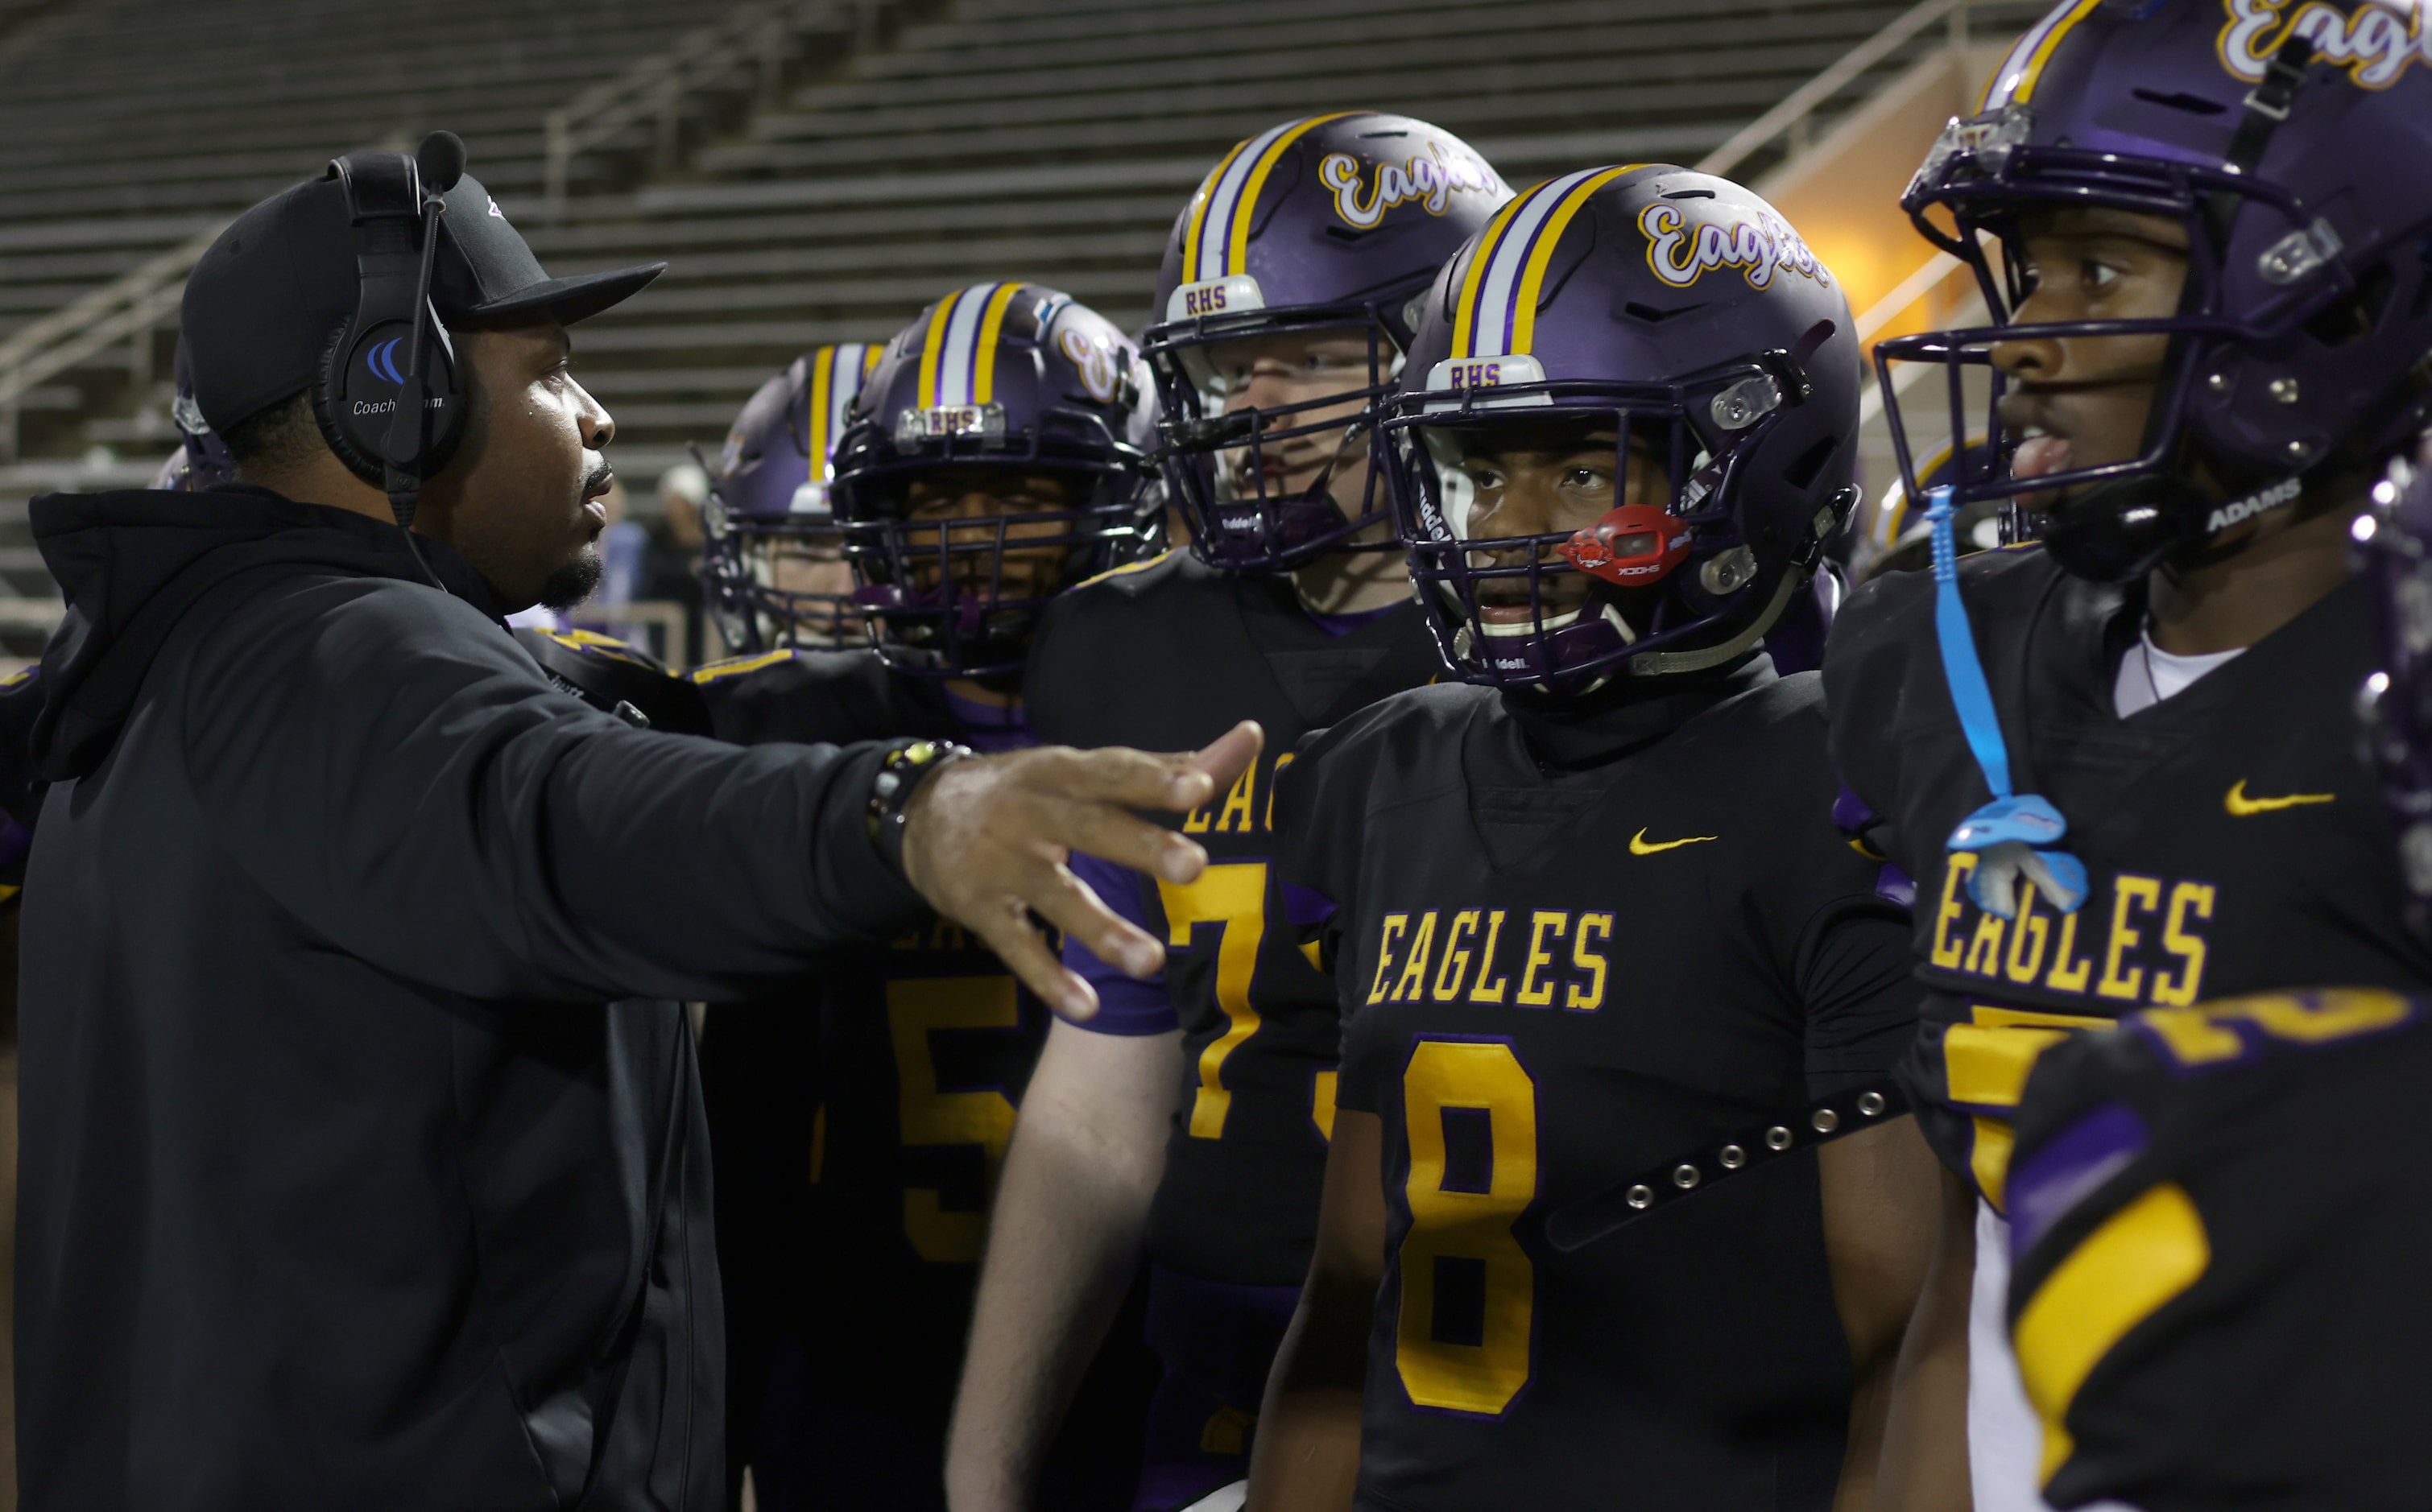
{"x":2234,"y":839}
{"x":1167,"y":656}
{"x":1566,"y":955}
{"x":922,"y":1051}
{"x":2220,"y":1217}
{"x":607,"y":673}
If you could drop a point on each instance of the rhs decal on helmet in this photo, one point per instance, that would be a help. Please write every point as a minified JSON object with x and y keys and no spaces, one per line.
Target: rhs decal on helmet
{"x":1760,"y":248}
{"x":2375,"y":43}
{"x":1430,"y":180}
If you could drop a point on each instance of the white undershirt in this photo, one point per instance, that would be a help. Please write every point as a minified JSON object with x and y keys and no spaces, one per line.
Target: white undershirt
{"x":2148,"y":674}
{"x":2004,"y":1439}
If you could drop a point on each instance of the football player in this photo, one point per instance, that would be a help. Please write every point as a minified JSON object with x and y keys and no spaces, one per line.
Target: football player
{"x":1591,"y":928}
{"x":772,"y":566}
{"x":2218,"y":1215}
{"x":1194,"y":1111}
{"x":2120,"y":765}
{"x":996,"y":455}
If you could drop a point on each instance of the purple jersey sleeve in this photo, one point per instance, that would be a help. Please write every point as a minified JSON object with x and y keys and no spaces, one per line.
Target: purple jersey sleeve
{"x":1125,"y":1004}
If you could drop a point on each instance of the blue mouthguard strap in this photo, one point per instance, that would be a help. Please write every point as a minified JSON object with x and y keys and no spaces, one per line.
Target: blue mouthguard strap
{"x":2012,"y":835}
{"x":1969,"y":692}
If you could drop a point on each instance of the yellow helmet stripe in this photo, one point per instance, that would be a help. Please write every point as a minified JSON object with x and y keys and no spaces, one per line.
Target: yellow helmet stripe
{"x":1246,"y":210}
{"x":814,"y":428}
{"x":1532,"y":278}
{"x":1491,"y":299}
{"x":932,"y":348}
{"x":1482,"y":252}
{"x":1199,"y":204}
{"x":991,"y":326}
{"x":2014,"y":82}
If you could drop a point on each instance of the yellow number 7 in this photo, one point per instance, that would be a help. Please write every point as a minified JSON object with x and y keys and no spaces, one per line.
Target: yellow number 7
{"x":1233,"y":897}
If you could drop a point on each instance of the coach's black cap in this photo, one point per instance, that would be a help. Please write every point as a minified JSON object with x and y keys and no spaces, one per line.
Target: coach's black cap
{"x":261,"y":305}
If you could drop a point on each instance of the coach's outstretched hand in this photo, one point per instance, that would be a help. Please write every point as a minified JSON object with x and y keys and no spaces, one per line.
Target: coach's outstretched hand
{"x":985,"y":841}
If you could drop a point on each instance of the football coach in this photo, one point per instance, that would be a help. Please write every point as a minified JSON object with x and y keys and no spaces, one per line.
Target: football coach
{"x":364,"y":1159}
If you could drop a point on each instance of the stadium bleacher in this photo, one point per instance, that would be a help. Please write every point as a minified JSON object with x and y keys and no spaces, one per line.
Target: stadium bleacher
{"x":1055,"y":140}
{"x":1042,"y":139}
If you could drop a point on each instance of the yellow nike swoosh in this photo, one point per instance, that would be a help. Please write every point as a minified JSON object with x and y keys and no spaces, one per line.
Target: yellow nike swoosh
{"x":2240,"y":806}
{"x":1641,"y":845}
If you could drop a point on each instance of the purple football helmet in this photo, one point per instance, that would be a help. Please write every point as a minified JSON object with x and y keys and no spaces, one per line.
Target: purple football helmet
{"x":202,"y":461}
{"x":2395,"y":555}
{"x":1679,"y":314}
{"x":1331,"y":224}
{"x":2294,"y":145}
{"x":995,"y":383}
{"x":769,"y":516}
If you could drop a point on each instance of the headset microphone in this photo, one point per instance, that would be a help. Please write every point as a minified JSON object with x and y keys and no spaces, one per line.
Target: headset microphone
{"x":438,"y":165}
{"x":390,"y":401}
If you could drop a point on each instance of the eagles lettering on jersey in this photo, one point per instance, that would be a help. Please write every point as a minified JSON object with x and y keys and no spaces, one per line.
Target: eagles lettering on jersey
{"x":2234,"y":839}
{"x":2220,"y":1216}
{"x":1566,"y":955}
{"x":922,"y":1052}
{"x":1167,"y":656}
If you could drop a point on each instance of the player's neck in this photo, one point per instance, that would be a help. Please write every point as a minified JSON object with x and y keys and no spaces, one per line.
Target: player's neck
{"x":1353,"y":582}
{"x":2229,"y":604}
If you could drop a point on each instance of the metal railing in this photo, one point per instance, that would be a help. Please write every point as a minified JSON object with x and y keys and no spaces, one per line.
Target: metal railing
{"x":758,"y":34}
{"x":1796,"y":114}
{"x":124,"y":310}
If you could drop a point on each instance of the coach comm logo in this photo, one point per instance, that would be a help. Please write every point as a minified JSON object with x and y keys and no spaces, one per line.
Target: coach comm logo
{"x":1682,"y":254}
{"x":1430,"y":180}
{"x":2237,"y":512}
{"x":2374,"y":43}
{"x":381,"y":358}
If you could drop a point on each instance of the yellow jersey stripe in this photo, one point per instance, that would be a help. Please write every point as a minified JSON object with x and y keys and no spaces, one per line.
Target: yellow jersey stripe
{"x":736,"y":666}
{"x":1127,"y":567}
{"x":2144,"y":1255}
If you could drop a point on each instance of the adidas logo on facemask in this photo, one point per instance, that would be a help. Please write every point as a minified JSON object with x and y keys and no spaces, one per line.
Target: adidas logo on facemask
{"x":2239,"y":511}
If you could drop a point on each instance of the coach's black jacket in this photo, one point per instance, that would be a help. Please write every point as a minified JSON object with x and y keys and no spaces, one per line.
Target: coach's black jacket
{"x":346,"y":1184}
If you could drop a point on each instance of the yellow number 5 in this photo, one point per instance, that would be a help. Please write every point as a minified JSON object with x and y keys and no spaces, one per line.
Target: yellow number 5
{"x":1468,"y":1289}
{"x":917,"y":1007}
{"x":1233,"y":897}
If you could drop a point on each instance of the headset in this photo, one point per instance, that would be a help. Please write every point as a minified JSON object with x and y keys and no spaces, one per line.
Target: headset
{"x":390,"y":401}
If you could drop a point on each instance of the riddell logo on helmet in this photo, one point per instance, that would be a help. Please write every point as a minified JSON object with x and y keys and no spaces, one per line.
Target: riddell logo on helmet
{"x":2374,"y":43}
{"x":1430,"y":180}
{"x":1682,"y":254}
{"x":2237,"y":512}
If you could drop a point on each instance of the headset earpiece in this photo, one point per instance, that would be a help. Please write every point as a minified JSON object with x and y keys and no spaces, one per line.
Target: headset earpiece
{"x":369,"y":368}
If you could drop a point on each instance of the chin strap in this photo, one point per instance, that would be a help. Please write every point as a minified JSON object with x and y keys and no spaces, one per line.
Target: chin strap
{"x":2015,"y":832}
{"x":1666,"y":663}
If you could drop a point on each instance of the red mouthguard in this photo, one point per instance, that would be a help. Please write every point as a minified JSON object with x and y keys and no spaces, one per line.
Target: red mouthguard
{"x":1635,"y":545}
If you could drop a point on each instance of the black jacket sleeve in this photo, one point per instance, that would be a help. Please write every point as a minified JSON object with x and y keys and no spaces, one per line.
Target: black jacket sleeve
{"x":386,"y":765}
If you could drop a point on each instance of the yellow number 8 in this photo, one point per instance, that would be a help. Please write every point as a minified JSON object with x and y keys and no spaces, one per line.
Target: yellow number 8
{"x":1468,"y":1290}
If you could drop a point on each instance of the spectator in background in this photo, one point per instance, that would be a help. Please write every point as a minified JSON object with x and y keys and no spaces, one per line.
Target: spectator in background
{"x":671,"y":567}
